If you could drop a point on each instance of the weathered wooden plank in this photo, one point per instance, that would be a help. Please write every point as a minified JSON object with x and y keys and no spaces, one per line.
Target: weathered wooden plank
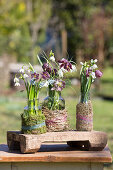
{"x":28,"y":143}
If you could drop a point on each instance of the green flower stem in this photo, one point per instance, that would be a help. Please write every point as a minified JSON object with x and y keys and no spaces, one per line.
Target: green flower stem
{"x":85,"y":87}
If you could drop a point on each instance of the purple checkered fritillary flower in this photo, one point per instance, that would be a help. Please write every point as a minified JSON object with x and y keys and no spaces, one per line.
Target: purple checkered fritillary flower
{"x":65,"y":64}
{"x":35,"y":76}
{"x":58,"y":85}
{"x":47,"y":68}
{"x":45,"y":75}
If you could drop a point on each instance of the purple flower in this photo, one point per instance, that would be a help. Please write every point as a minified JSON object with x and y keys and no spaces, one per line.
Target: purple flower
{"x":46,"y":67}
{"x":65,"y":64}
{"x":98,"y":73}
{"x":87,"y":73}
{"x":54,"y":72}
{"x":58,"y":85}
{"x":35,"y":76}
{"x":45,"y":75}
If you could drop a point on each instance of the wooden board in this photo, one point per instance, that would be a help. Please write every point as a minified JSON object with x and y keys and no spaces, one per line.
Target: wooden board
{"x":28,"y":143}
{"x":55,"y":153}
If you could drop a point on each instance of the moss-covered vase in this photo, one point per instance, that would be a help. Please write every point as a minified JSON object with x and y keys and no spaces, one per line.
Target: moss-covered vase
{"x":33,"y":120}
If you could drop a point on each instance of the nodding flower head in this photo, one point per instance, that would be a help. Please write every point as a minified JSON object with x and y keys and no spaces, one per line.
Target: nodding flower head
{"x":45,"y":75}
{"x":35,"y":76}
{"x":58,"y":85}
{"x":46,"y":67}
{"x":98,"y":73}
{"x":65,"y":64}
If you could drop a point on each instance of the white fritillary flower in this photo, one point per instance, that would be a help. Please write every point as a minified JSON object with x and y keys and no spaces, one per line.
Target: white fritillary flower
{"x":94,"y":67}
{"x":60,"y":73}
{"x":46,"y":84}
{"x":93,"y":75}
{"x":73,"y":68}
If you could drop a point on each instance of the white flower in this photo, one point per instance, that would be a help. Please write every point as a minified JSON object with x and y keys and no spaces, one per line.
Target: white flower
{"x":64,"y":70}
{"x":92,"y":61}
{"x":94,"y":67}
{"x":95,"y":60}
{"x":51,"y":81}
{"x":93,"y":75}
{"x":46,"y":84}
{"x":73,"y":68}
{"x":21,"y":70}
{"x":82,"y":63}
{"x":52,"y":58}
{"x":17,"y":84}
{"x":25,"y":76}
{"x":60,"y":73}
{"x":16,"y":80}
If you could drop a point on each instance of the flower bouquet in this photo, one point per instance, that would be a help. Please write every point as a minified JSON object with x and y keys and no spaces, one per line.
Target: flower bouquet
{"x":84,"y":111}
{"x":33,"y":121}
{"x":54,"y":105}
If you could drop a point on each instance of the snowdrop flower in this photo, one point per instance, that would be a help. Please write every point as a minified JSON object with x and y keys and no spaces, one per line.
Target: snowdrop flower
{"x":21,"y":70}
{"x":60,"y":73}
{"x":17,"y":84}
{"x":73,"y":68}
{"x":16,"y":80}
{"x":25,"y":76}
{"x":81,"y":63}
{"x":52,"y":58}
{"x":94,"y":67}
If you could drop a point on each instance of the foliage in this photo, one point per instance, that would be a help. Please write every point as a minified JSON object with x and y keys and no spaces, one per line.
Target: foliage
{"x":89,"y":26}
{"x":20,"y":24}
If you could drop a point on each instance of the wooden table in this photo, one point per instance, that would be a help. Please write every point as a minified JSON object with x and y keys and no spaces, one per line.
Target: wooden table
{"x":54,"y":157}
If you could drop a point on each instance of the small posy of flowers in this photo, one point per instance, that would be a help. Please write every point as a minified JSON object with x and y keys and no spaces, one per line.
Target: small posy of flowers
{"x":89,"y":72}
{"x":90,"y":69}
{"x":32,"y":80}
{"x":53,"y":71}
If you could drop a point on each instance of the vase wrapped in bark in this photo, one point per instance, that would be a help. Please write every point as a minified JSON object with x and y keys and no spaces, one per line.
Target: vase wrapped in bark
{"x":84,"y":116}
{"x":55,"y":112}
{"x":84,"y":110}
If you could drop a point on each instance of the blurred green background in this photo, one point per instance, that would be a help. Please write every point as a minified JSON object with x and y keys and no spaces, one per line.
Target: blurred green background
{"x":75,"y":29}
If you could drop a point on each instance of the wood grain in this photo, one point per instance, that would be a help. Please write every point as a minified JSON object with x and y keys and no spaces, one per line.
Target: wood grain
{"x":29,"y":143}
{"x":55,"y":153}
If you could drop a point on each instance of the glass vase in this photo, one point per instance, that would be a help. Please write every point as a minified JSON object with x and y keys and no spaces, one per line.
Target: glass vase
{"x":84,"y":114}
{"x":55,"y":112}
{"x":33,"y":120}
